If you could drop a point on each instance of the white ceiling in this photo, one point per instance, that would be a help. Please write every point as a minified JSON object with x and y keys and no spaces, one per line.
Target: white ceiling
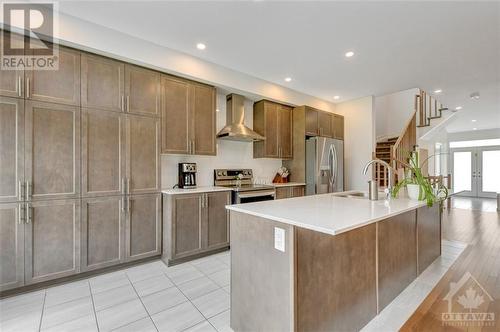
{"x":453,"y":46}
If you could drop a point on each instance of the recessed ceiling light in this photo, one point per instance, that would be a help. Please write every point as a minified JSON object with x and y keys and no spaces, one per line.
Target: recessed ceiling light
{"x":474,"y":96}
{"x":288,"y":79}
{"x":349,"y":54}
{"x":336,"y":97}
{"x":201,"y":46}
{"x":458,"y":108}
{"x":474,"y":120}
{"x":474,"y":128}
{"x":438,"y":91}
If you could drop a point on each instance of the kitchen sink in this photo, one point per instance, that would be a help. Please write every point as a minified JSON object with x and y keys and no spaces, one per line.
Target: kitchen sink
{"x":359,"y":194}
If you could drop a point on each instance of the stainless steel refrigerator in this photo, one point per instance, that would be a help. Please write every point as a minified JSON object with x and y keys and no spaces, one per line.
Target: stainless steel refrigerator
{"x":324,"y":165}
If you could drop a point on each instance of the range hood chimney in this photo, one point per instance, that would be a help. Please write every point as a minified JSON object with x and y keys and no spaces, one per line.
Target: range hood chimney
{"x":235,"y":128}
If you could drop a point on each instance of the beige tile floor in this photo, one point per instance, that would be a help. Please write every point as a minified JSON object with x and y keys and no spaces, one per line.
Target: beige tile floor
{"x":192,"y":296}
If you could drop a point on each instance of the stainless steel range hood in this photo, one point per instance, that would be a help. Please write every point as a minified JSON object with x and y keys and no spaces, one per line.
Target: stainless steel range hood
{"x":235,"y":128}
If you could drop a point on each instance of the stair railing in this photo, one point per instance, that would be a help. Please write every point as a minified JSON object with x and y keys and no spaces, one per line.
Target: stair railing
{"x":405,"y":143}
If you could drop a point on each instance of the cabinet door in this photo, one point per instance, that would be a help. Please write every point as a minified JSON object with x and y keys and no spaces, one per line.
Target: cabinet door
{"x":338,"y":126}
{"x":203,"y":119}
{"x":216,"y":229}
{"x":143,"y":230}
{"x":285,"y":132}
{"x":311,"y":122}
{"x":52,"y":241}
{"x":11,"y":148}
{"x":11,"y":81}
{"x":271,"y":143}
{"x":57,"y":86}
{"x":297,"y":191}
{"x":11,"y":246}
{"x":175,"y":112}
{"x":325,"y":124}
{"x":142,"y":90}
{"x":282,"y":192}
{"x":103,"y":153}
{"x":102,"y":83}
{"x":102,"y":232}
{"x":52,"y":150}
{"x":143,"y":154}
{"x":187,"y":216}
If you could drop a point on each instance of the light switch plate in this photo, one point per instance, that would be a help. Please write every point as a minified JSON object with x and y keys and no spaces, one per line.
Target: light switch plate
{"x":279,"y":239}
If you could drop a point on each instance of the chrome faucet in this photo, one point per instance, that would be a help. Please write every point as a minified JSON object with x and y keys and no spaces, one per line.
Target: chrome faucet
{"x":387,"y":190}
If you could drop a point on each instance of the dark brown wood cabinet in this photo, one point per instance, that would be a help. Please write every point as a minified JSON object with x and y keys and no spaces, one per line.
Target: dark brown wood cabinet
{"x":60,"y":86}
{"x":188,"y":117}
{"x":143,"y":226}
{"x":318,"y":123}
{"x":274,"y":122}
{"x":11,"y":245}
{"x":338,"y":126}
{"x":194,"y":224}
{"x":290,"y":191}
{"x":142,"y":91}
{"x":325,"y":124}
{"x":102,"y":232}
{"x":12,"y":81}
{"x":11,"y":149}
{"x":52,"y":240}
{"x":102,"y":85}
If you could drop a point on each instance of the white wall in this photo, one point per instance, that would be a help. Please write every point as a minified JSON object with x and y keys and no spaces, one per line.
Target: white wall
{"x":474,"y":135}
{"x":230,"y":154}
{"x":359,"y":141}
{"x":393,"y":111}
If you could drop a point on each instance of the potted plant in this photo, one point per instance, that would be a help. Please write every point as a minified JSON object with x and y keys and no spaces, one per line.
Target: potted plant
{"x":418,"y":186}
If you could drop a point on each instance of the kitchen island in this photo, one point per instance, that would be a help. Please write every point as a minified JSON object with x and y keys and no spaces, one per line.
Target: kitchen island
{"x":326,"y":262}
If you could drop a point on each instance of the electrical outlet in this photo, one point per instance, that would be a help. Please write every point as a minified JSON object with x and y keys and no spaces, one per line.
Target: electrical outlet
{"x":279,"y":239}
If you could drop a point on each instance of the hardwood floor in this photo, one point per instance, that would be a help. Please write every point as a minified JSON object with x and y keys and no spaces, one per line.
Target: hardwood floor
{"x":479,"y":226}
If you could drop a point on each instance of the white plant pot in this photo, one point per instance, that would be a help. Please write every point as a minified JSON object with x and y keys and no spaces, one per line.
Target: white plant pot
{"x":414,"y":191}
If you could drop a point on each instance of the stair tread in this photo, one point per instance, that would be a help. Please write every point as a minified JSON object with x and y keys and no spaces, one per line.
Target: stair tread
{"x":434,"y":117}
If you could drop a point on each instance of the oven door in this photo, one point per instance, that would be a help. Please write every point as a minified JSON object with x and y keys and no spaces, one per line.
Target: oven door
{"x":254,"y":196}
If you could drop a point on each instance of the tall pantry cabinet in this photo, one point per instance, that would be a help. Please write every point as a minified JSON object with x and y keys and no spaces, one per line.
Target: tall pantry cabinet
{"x":79,"y":168}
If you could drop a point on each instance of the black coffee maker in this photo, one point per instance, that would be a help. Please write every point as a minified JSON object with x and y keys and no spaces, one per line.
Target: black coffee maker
{"x":187,"y":175}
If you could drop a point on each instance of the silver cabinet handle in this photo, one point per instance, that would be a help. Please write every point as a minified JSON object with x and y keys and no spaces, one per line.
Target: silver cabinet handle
{"x":28,"y":87}
{"x":21,"y":190}
{"x":22,"y":213}
{"x":128,"y":205}
{"x":29,"y":190}
{"x":123,"y":186}
{"x":194,"y":147}
{"x":30,"y":215}
{"x":206,"y":200}
{"x":128,"y":103}
{"x":122,"y":106}
{"x":20,"y":86}
{"x":124,"y":203}
{"x":128,"y":186}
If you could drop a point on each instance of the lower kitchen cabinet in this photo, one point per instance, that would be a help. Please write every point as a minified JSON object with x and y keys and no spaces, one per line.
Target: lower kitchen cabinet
{"x":290,"y":192}
{"x":11,"y":245}
{"x":143,"y":226}
{"x":102,"y":232}
{"x":52,"y":239}
{"x":194,"y":224}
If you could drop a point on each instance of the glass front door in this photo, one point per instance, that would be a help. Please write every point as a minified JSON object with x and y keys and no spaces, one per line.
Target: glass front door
{"x":476,"y":171}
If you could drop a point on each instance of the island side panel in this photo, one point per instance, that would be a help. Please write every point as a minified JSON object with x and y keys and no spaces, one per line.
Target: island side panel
{"x":397,"y":256}
{"x":428,"y":235}
{"x":261,"y":276}
{"x":336,"y":279}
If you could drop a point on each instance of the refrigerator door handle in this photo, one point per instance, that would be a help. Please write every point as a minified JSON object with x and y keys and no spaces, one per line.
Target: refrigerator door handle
{"x":332,"y":163}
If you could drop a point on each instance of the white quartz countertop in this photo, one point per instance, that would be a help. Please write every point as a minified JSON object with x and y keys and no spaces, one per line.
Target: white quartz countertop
{"x":328,"y":213}
{"x":288,"y":184}
{"x":198,"y":190}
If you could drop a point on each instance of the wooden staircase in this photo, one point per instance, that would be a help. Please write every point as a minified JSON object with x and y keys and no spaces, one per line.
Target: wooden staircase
{"x":383,"y":152}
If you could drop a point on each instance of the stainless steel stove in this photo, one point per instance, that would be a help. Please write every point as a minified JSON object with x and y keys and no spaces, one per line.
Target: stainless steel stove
{"x":241,"y":182}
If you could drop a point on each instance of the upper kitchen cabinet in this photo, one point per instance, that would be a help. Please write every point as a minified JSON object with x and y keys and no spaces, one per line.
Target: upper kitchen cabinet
{"x":274,"y":122}
{"x":52,"y":150}
{"x":11,"y":81}
{"x":318,"y":123}
{"x":60,"y":86}
{"x":142,"y":91}
{"x":338,"y":126}
{"x":188,"y":117}
{"x":11,"y":149}
{"x":102,"y":83}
